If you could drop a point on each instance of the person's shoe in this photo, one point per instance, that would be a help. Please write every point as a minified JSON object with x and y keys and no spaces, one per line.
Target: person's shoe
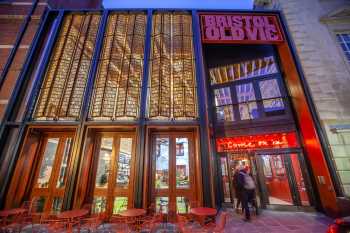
{"x":246,"y":219}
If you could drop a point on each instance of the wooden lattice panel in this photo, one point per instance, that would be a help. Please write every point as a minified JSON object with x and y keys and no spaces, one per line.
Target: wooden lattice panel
{"x":118,"y":82}
{"x":64,"y":83}
{"x":172,"y":86}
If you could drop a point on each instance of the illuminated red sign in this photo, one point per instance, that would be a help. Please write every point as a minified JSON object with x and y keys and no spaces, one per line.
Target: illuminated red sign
{"x":240,"y":28}
{"x":264,"y":141}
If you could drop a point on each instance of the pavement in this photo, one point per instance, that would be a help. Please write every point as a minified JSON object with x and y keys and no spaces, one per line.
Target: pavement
{"x":270,"y":221}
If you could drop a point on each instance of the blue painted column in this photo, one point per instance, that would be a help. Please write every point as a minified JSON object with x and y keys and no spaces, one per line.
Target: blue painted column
{"x":204,"y":130}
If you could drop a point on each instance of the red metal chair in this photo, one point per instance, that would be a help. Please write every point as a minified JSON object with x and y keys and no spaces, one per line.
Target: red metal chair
{"x":218,"y":227}
{"x":119,"y":224}
{"x":92,"y":223}
{"x":50,"y":223}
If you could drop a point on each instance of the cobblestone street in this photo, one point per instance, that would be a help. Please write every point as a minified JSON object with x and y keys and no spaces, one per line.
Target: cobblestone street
{"x":278,"y":221}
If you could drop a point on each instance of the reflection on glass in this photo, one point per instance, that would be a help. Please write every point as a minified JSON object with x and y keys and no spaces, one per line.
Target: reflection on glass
{"x":124,"y":162}
{"x":162,"y":204}
{"x":162,"y":163}
{"x":104,"y":159}
{"x":40,"y":204}
{"x":182,"y":205}
{"x":225,"y":113}
{"x":182,"y":163}
{"x":246,"y":97}
{"x":99,"y":204}
{"x":225,"y":179}
{"x":300,"y":182}
{"x":270,"y":90}
{"x":243,"y":70}
{"x":47,"y":163}
{"x":57,"y":204}
{"x":64,"y":163}
{"x":277,"y":183}
{"x":120,"y":204}
{"x":222,"y":96}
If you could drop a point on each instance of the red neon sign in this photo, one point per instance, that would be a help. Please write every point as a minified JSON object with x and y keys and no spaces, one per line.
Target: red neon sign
{"x":264,"y":141}
{"x":240,"y":28}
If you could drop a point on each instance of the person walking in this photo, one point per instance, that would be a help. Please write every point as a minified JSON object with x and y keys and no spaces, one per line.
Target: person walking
{"x":248,"y":191}
{"x":238,"y":189}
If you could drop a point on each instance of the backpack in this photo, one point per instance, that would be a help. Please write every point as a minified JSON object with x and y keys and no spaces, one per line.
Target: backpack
{"x":248,"y":182}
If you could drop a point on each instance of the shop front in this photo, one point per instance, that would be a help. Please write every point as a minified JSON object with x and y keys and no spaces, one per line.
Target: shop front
{"x":160,"y":108}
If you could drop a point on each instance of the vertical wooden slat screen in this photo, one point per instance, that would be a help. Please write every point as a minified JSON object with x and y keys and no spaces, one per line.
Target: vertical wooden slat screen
{"x":64,"y":84}
{"x":172,"y":86}
{"x":118,"y":82}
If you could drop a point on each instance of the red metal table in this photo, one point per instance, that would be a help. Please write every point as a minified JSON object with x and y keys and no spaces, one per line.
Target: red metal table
{"x":71,"y":215}
{"x":4,"y":214}
{"x":16,"y":211}
{"x":132,"y":212}
{"x":203,"y":212}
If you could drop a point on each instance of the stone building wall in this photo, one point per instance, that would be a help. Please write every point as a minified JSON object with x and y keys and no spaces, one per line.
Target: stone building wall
{"x":313,"y":25}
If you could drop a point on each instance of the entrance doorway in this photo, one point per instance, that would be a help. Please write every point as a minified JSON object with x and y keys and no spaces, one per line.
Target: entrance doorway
{"x":50,"y":177}
{"x":114,"y":173}
{"x":281,"y":179}
{"x":173,"y":172}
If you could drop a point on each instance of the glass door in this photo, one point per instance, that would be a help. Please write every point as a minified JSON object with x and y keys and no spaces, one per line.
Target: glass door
{"x":173,"y":172}
{"x":282,"y":179}
{"x":51,"y":174}
{"x":114,"y":187}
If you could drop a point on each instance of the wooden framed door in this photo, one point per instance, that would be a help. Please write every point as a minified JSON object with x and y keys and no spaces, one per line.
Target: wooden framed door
{"x":173,"y":174}
{"x":51,"y":173}
{"x":114,"y":173}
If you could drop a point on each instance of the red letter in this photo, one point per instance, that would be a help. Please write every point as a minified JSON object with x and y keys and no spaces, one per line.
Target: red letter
{"x":258,"y":21}
{"x":237,"y":21}
{"x":261,"y":33}
{"x":247,"y":19}
{"x":251,"y":33}
{"x":212,"y":33}
{"x":237,"y":33}
{"x":223,"y":34}
{"x":221,"y":21}
{"x":271,"y":33}
{"x":209,"y":21}
{"x":267,"y":22}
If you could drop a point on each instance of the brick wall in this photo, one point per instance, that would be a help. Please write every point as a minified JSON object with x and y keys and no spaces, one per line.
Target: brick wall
{"x":12,"y":17}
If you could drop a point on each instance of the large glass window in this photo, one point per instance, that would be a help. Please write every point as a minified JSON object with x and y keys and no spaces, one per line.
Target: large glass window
{"x":247,"y":91}
{"x":172,"y":86}
{"x":344,"y":41}
{"x":118,"y":82}
{"x":64,"y":84}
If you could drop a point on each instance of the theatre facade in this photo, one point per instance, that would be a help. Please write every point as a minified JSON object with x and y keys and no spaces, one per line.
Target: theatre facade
{"x":125,"y":108}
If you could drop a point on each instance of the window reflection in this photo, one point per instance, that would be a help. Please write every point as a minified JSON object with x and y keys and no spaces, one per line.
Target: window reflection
{"x":57,"y":204}
{"x":47,"y":163}
{"x":124,"y":162}
{"x":182,"y":163}
{"x":162,"y":163}
{"x":243,"y":70}
{"x":104,"y":159}
{"x":120,"y":204}
{"x":269,"y":91}
{"x":182,"y":206}
{"x":99,"y":204}
{"x":162,"y":204}
{"x":246,"y":98}
{"x":64,"y":163}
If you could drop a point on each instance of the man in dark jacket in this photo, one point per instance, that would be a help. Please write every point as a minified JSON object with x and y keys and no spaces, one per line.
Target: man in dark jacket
{"x":248,"y":191}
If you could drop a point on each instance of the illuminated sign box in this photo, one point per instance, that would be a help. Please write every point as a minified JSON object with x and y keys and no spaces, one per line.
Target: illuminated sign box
{"x":264,"y":141}
{"x":240,"y":28}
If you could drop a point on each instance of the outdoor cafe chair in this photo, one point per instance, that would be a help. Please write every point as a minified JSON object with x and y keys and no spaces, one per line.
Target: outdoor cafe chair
{"x":218,"y":227}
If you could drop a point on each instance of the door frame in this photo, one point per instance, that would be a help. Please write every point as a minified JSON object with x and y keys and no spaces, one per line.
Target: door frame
{"x":195,"y":182}
{"x":290,"y":176}
{"x":112,"y":190}
{"x":51,"y":191}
